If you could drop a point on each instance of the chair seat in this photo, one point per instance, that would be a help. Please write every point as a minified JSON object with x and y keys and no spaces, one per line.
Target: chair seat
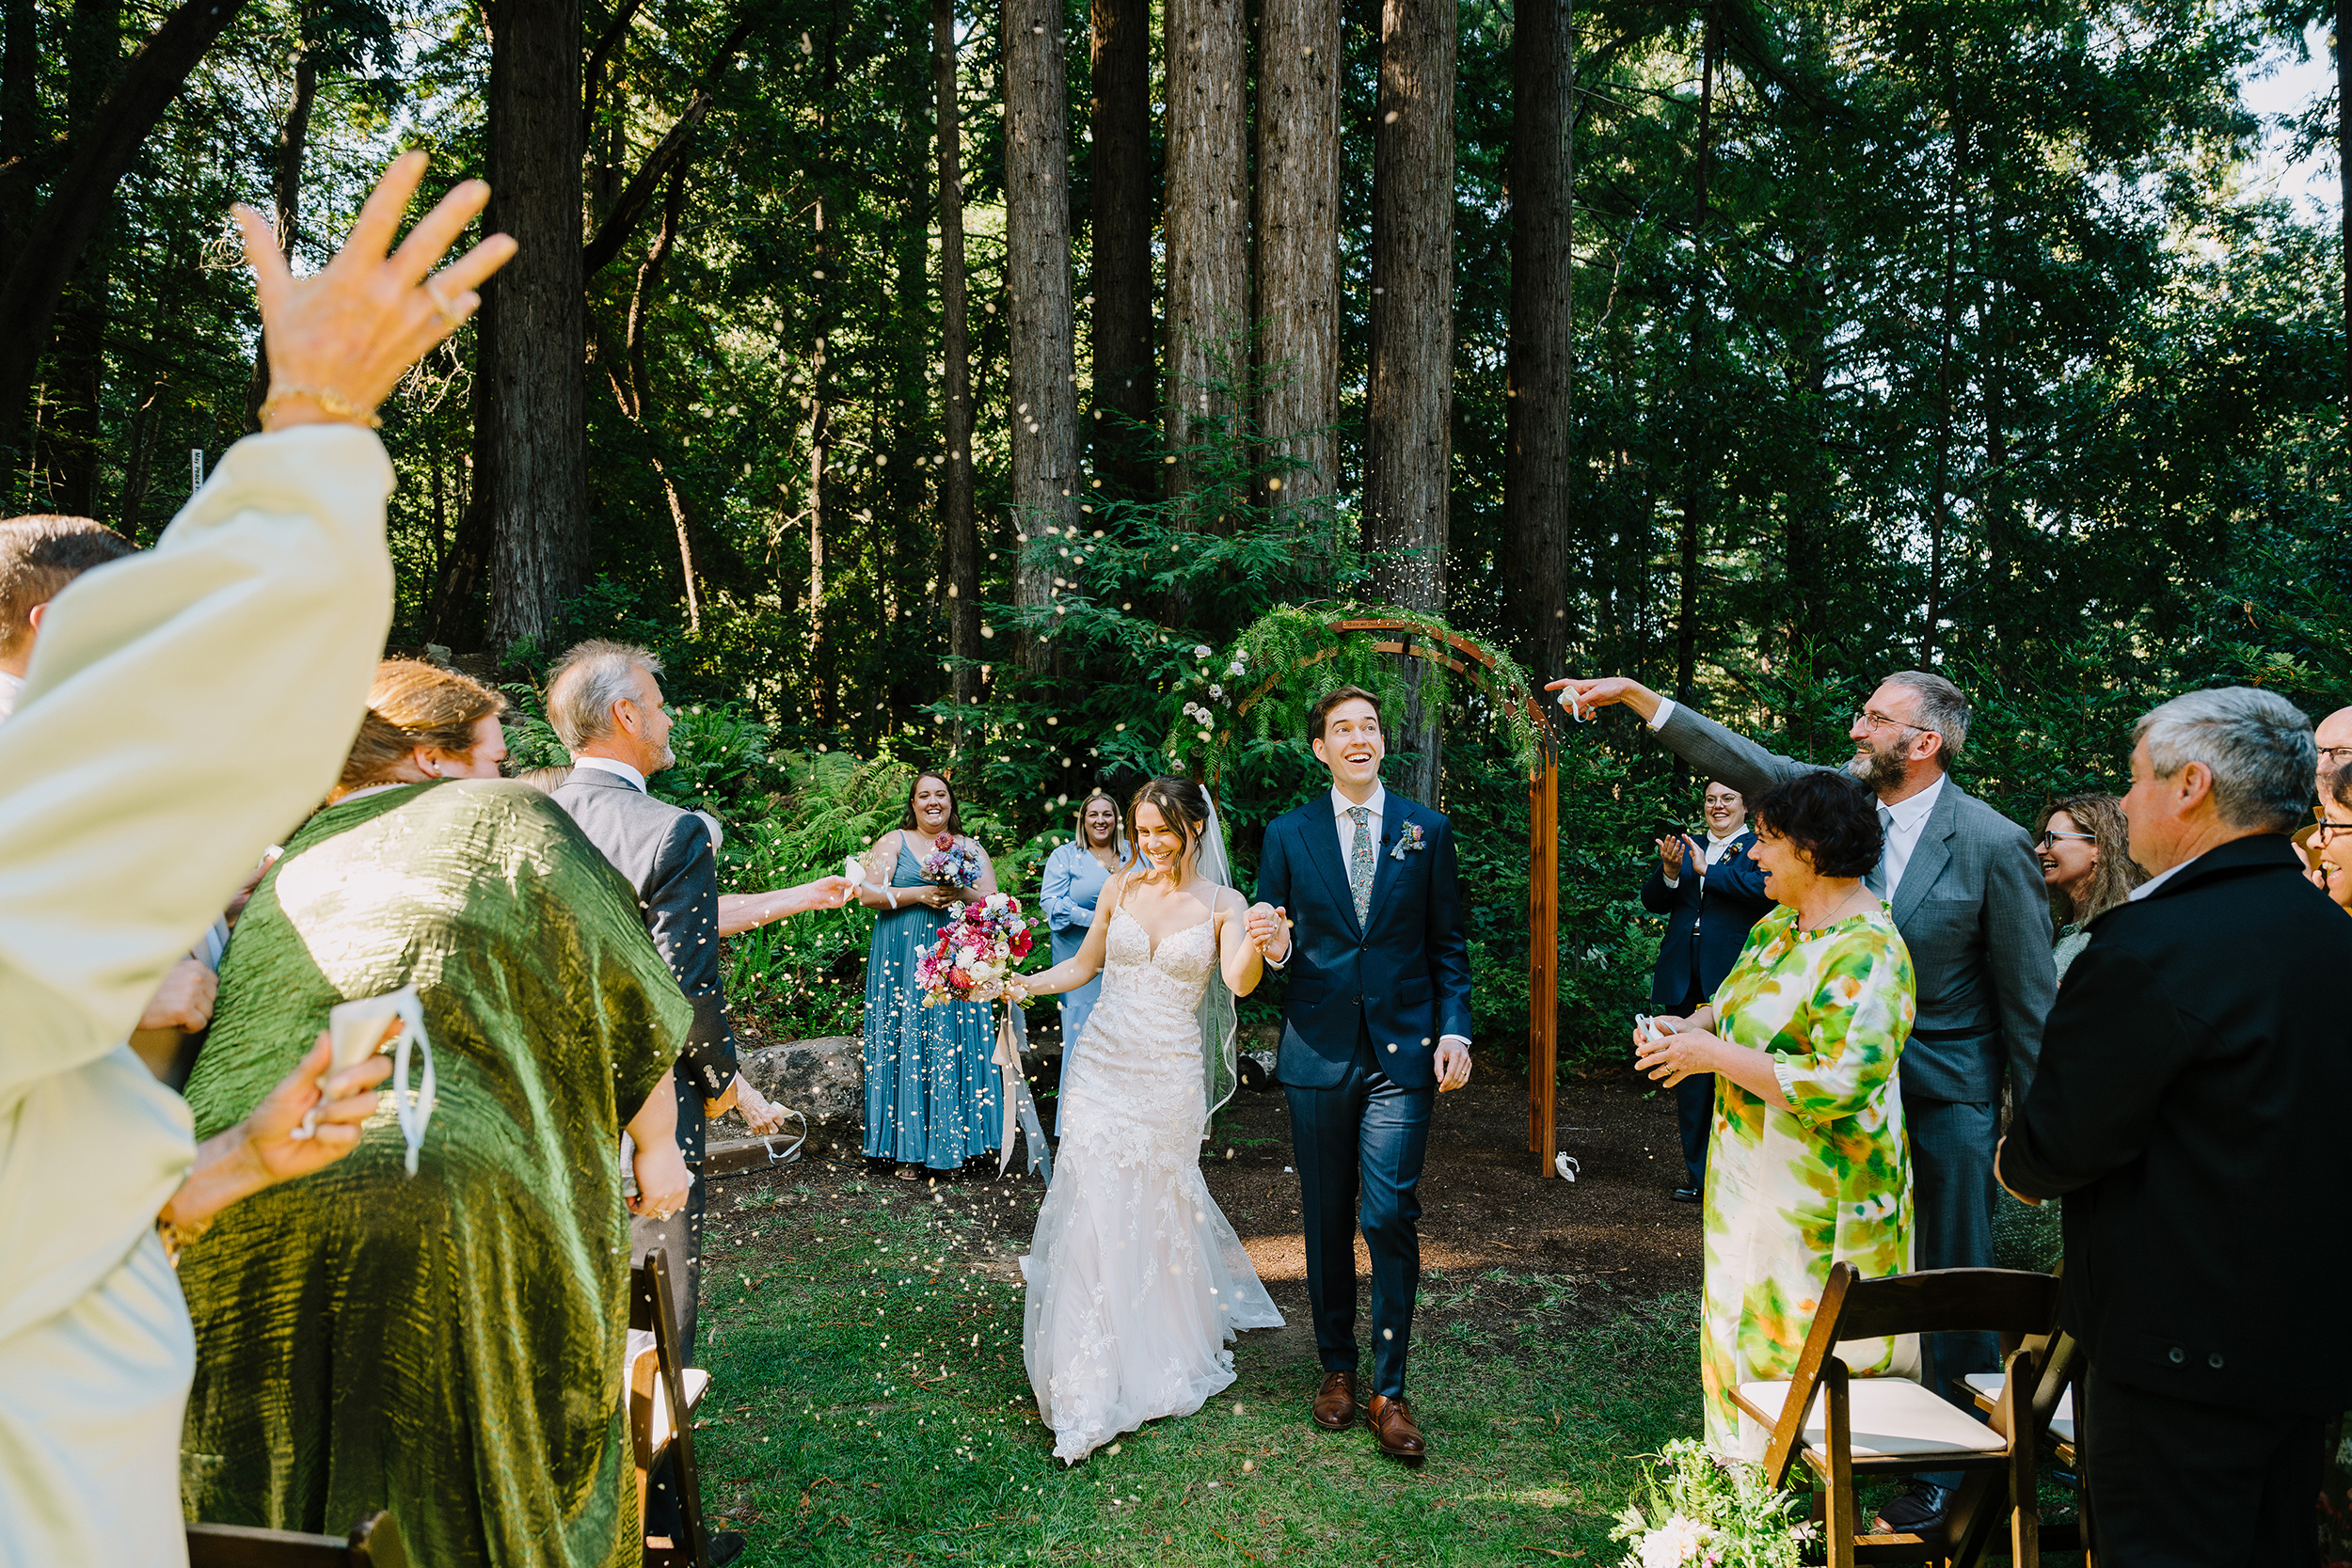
{"x":1987,"y":1386}
{"x":1893,"y":1418}
{"x":644,"y":1371}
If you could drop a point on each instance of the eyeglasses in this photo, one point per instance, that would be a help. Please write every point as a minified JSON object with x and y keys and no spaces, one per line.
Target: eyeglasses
{"x":1868,"y":720}
{"x":2330,"y":753}
{"x":2327,"y":831}
{"x":2051,"y":835}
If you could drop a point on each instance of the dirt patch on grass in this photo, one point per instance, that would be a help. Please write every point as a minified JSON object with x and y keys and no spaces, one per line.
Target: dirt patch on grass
{"x":1500,"y":1245}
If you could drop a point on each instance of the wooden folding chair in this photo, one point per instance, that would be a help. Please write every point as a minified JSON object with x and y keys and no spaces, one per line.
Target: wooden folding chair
{"x":373,"y":1543}
{"x":658,"y":1385}
{"x":2051,"y":1413}
{"x":1845,"y":1427}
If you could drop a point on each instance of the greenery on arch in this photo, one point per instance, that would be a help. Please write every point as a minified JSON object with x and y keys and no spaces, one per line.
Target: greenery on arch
{"x":1258,"y":692}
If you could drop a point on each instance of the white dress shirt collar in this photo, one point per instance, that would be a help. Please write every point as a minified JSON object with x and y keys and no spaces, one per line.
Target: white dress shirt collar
{"x":1911,"y":813}
{"x":2144,"y":889}
{"x":618,"y":769}
{"x":1377,"y":803}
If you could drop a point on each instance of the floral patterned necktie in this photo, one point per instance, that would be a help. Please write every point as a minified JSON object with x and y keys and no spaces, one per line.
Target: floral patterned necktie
{"x":1360,"y":862}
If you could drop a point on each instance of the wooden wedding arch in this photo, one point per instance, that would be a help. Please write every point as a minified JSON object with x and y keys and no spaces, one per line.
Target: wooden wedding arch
{"x":1418,"y":639}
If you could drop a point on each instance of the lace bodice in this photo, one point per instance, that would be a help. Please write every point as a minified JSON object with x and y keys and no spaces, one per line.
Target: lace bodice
{"x":1173,"y":977}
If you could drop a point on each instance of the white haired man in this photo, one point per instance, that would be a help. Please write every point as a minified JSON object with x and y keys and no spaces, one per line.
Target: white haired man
{"x":2188,"y":1114}
{"x":1965,"y":888}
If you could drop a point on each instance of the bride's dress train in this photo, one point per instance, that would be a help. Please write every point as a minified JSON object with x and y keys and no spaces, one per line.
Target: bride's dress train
{"x":1136,"y":1281}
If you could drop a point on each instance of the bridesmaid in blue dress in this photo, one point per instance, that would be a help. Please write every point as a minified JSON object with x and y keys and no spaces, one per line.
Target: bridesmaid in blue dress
{"x":1075,"y":875}
{"x":932,"y":1095}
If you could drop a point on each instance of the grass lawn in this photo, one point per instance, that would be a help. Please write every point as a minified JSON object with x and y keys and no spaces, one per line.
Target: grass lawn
{"x":870,"y":1406}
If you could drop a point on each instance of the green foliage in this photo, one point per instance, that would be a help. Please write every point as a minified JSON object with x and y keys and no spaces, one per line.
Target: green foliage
{"x":1694,"y":1508}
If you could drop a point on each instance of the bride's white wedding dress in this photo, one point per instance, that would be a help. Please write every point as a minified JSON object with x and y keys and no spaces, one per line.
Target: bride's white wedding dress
{"x":1136,"y":1281}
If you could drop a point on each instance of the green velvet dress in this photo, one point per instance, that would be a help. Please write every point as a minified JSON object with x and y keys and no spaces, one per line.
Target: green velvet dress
{"x":447,"y":1345}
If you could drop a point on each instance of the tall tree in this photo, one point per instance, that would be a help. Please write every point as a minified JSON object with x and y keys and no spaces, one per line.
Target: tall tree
{"x":293,"y":139}
{"x":1037,"y":286}
{"x":1207,"y":230}
{"x":1698,"y":478}
{"x":1408,"y":437}
{"x":820,"y":411}
{"x":530,"y":441}
{"x":71,"y":444}
{"x":1537,"y":479}
{"x":21,"y":129}
{"x":56,"y":237}
{"x":1126,"y":387}
{"x":1297,"y":229}
{"x":960,"y":536}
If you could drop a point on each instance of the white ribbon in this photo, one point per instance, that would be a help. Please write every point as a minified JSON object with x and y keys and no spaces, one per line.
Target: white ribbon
{"x":355,"y":1030}
{"x":1013,"y":1037}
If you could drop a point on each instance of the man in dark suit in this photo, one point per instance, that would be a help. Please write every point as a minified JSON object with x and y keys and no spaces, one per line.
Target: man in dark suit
{"x":1359,"y":902}
{"x":1710,"y":894}
{"x":1967,"y":890}
{"x":2190,"y":1110}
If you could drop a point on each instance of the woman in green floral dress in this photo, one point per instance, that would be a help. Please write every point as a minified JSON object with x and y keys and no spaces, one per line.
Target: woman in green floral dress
{"x":1809,"y":1163}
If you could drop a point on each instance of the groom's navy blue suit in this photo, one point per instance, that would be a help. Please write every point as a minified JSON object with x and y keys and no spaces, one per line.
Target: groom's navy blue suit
{"x":1367,"y":1004}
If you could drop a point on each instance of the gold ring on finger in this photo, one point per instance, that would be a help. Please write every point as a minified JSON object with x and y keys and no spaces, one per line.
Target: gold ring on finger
{"x":441,"y":306}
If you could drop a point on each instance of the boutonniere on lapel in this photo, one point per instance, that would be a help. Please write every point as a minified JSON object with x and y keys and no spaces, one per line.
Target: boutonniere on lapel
{"x":1410,"y":838}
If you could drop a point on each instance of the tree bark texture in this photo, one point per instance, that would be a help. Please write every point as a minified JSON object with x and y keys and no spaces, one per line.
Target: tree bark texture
{"x":1297,"y":230}
{"x":1409,"y":431}
{"x":960,"y":536}
{"x":1537,"y":475}
{"x":1698,"y":476}
{"x":1126,"y":385}
{"x":531,"y":455}
{"x":286,"y":188}
{"x":55,"y":239}
{"x":71,"y":446}
{"x":1207,"y":218}
{"x":21,"y":132}
{"x":1037,"y":281}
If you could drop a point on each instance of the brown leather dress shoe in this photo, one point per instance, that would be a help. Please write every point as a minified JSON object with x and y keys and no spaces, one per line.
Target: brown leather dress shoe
{"x":1335,"y":1401}
{"x":1392,"y":1424}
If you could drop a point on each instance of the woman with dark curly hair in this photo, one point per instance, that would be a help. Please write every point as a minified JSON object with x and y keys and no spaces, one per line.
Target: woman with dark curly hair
{"x":1808,"y":1165}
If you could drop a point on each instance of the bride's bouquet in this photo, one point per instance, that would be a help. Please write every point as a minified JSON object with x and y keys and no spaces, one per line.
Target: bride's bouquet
{"x":976,"y":951}
{"x":953,"y":862}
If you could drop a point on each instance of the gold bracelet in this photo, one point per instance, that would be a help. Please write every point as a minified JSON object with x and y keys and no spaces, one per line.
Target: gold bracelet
{"x":335,"y":405}
{"x":176,"y":1235}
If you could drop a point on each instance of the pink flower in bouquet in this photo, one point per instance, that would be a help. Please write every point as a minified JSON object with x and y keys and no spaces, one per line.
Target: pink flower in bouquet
{"x":974,"y":952}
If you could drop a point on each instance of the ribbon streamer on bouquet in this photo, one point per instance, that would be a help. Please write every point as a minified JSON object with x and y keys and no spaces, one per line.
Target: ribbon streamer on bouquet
{"x":1013,"y":1037}
{"x":414,"y":1107}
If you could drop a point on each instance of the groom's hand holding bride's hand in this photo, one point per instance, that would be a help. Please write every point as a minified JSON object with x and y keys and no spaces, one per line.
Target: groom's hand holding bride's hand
{"x":1269,"y":930}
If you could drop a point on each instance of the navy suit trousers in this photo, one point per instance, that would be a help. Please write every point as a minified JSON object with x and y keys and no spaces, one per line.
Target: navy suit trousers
{"x":1951,"y":1202}
{"x":1359,"y":1144}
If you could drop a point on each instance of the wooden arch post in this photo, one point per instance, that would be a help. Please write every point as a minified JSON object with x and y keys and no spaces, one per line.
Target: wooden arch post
{"x":1465,"y":658}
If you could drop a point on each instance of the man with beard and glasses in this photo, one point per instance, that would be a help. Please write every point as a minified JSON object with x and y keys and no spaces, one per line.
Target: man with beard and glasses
{"x":1965,"y":888}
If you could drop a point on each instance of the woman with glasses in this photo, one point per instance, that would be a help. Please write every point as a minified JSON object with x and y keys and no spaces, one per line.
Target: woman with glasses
{"x":2331,"y":844}
{"x":2086,"y":866}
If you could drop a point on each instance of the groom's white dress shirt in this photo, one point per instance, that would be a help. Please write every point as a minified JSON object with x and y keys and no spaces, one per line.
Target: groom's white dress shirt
{"x":1714,"y":852}
{"x":1377,"y":805}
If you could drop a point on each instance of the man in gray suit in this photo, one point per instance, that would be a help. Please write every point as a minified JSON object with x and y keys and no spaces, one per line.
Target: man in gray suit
{"x":1967,"y":897}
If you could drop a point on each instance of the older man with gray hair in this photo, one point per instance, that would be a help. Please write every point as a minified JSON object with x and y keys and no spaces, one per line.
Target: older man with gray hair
{"x":2189,"y":1112}
{"x":1965,"y":889}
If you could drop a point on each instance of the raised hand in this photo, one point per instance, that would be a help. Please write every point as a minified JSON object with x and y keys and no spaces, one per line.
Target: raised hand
{"x":1670,"y":855}
{"x":339,"y":340}
{"x":1268,"y":928}
{"x":1581,"y":696}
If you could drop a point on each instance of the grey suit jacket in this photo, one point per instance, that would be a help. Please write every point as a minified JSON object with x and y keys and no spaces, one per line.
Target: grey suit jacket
{"x":667,"y":856}
{"x":1971,"y":908}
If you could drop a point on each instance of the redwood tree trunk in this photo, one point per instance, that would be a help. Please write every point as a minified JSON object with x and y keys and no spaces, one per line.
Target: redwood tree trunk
{"x":1125,"y":387}
{"x":1408,"y":433}
{"x":1537,"y":478}
{"x":38,"y":268}
{"x":1037,"y":285}
{"x":1698,"y":478}
{"x":959,"y":538}
{"x":1207,"y":218}
{"x":1297,"y":228}
{"x":531,"y":455}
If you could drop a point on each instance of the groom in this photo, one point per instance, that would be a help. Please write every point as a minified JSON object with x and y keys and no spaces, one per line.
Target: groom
{"x":1376,"y":1020}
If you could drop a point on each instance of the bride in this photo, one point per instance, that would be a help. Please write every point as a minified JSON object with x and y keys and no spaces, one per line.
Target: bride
{"x":1136,"y":1281}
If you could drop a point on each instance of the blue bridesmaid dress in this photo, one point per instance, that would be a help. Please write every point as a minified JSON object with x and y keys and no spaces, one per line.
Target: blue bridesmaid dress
{"x":932,"y":1095}
{"x":1073,"y":881}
